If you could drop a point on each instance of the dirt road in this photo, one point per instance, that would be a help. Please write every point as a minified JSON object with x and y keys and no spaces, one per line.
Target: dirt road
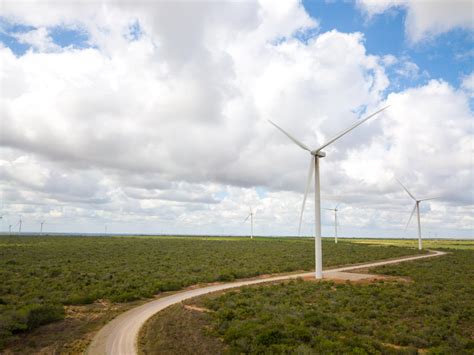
{"x":119,"y":337}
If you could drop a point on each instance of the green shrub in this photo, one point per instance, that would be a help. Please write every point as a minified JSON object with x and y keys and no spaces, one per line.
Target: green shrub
{"x":125,"y":297}
{"x":79,"y":299}
{"x":39,"y":314}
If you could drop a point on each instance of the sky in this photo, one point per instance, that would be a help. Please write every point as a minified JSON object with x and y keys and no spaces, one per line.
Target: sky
{"x":152,"y":117}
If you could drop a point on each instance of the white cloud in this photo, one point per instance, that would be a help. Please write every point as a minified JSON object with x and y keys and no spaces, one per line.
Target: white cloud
{"x":389,"y":60}
{"x":167,"y":132}
{"x":468,"y":83}
{"x":426,"y":19}
{"x":39,"y":39}
{"x":408,"y":69}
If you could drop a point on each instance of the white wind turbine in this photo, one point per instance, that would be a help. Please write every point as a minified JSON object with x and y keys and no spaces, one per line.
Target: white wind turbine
{"x":19,"y":224}
{"x":251,"y":222}
{"x":316,"y":154}
{"x":335,"y":221}
{"x":417,"y":208}
{"x":41,"y":228}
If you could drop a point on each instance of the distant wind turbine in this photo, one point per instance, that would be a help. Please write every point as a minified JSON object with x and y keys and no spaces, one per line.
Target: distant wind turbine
{"x":10,"y":228}
{"x":417,"y":208}
{"x":251,"y":222}
{"x":316,"y":154}
{"x":19,"y":224}
{"x":335,"y":221}
{"x":41,"y":229}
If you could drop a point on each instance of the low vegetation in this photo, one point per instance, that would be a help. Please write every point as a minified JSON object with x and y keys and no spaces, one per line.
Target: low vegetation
{"x":41,"y":275}
{"x":433,"y":313}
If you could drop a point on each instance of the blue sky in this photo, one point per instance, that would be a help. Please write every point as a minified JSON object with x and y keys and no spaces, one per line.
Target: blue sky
{"x":193,"y":101}
{"x":448,"y":56}
{"x":62,"y":36}
{"x":445,"y":57}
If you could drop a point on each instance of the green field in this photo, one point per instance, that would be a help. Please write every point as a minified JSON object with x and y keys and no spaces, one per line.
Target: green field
{"x":431,"y":313}
{"x":437,"y":244}
{"x":39,"y":276}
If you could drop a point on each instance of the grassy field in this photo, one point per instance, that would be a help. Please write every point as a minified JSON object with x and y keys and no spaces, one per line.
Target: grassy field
{"x":43,"y":278}
{"x":427,"y":244}
{"x":432,"y":313}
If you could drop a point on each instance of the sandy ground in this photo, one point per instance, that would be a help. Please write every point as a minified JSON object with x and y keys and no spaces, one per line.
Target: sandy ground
{"x":119,"y":337}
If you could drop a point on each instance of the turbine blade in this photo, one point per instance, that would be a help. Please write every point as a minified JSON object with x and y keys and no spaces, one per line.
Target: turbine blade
{"x":308,"y":183}
{"x":430,"y":198}
{"x":411,"y":216}
{"x":245,"y":220}
{"x":291,"y":137}
{"x":408,"y":192}
{"x":347,"y":130}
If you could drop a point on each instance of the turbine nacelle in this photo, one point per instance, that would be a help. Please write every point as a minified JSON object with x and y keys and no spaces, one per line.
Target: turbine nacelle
{"x":318,"y":154}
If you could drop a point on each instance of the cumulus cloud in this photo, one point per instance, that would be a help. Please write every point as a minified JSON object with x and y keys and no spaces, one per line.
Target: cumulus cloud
{"x":426,"y":19}
{"x":166,"y":130}
{"x":468,"y":83}
{"x":38,"y":38}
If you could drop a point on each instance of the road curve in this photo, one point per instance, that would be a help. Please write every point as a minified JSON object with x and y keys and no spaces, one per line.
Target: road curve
{"x":119,"y":337}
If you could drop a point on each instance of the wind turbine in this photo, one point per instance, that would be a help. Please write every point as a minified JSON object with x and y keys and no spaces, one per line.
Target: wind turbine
{"x":19,"y":224}
{"x":10,"y":228}
{"x":316,"y":154}
{"x":251,"y":222}
{"x":41,"y":229}
{"x":335,"y":221}
{"x":417,"y":208}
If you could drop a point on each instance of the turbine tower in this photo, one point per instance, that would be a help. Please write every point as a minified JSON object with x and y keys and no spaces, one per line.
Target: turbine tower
{"x":335,"y":221}
{"x":251,"y":222}
{"x":19,"y":224}
{"x":417,"y":208}
{"x":41,"y":228}
{"x":316,"y":154}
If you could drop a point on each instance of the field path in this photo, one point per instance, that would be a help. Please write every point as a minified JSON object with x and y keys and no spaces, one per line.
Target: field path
{"x":119,"y":337}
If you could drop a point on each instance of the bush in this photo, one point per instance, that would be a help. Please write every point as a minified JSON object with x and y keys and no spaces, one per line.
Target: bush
{"x":225,"y":277}
{"x":125,"y":297}
{"x":39,"y":314}
{"x":78,"y":299}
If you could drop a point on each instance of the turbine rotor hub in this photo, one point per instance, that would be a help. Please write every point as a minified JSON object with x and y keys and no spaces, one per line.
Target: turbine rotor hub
{"x":318,"y":154}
